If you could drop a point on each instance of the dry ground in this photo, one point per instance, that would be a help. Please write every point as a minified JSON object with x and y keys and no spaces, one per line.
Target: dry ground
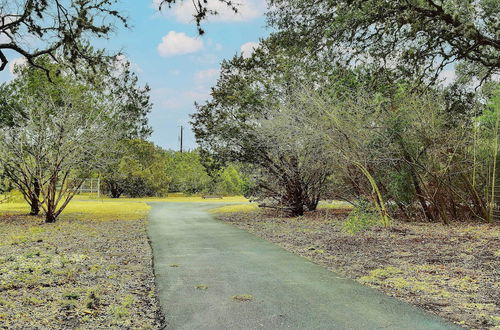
{"x":453,"y":271}
{"x":92,"y":269}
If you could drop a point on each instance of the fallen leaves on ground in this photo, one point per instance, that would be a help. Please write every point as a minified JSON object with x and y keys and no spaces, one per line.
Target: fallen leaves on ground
{"x":83,"y":274}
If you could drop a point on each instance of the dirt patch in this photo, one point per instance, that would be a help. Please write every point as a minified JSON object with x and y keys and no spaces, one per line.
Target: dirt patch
{"x":452,"y":271}
{"x":76,"y":274}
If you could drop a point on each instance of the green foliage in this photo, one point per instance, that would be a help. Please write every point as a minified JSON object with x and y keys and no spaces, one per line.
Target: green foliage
{"x":411,"y":37}
{"x":258,"y":117}
{"x":398,"y":188}
{"x":187,"y":173}
{"x":489,"y":116}
{"x":230,"y":182}
{"x":363,"y":217}
{"x":139,"y":169}
{"x":70,"y":27}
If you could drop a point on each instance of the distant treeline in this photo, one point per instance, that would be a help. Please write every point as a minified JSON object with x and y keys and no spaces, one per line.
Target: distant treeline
{"x":140,"y":169}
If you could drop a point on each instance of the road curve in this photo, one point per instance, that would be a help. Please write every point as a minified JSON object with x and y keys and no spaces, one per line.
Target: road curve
{"x":192,"y":249}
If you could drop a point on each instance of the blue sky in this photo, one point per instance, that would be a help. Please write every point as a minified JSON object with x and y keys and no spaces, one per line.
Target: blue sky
{"x":179,"y":66}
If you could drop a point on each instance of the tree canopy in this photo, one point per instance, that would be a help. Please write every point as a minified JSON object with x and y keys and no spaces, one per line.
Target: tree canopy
{"x":55,"y":25}
{"x":416,"y":37}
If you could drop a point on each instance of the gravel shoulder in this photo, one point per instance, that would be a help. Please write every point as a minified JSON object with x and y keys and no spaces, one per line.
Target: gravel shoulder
{"x":76,"y":274}
{"x":452,"y":271}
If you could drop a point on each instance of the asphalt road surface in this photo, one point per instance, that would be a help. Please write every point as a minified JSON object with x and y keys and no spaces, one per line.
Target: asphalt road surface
{"x":201,"y":264}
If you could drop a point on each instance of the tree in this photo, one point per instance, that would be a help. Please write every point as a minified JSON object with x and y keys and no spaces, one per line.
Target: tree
{"x":230,"y":182}
{"x":55,"y":25}
{"x":296,"y":160}
{"x":414,"y":154}
{"x":253,"y":118}
{"x":415,"y":37}
{"x":113,"y":85}
{"x":487,"y":146}
{"x":119,"y":88}
{"x":139,"y":169}
{"x":187,"y":173}
{"x":62,"y":134}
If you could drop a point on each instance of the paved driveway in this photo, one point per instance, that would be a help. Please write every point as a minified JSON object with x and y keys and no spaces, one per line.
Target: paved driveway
{"x":289,"y":292}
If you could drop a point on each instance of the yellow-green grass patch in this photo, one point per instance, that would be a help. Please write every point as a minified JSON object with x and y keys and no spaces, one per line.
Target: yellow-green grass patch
{"x":173,"y":197}
{"x":334,"y":205}
{"x":236,"y":208}
{"x":93,"y":210}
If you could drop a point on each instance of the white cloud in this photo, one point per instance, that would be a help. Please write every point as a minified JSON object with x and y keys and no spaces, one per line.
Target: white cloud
{"x":178,"y":43}
{"x":156,"y":4}
{"x":248,"y":48}
{"x":206,"y":76}
{"x":247,"y":10}
{"x":16,"y":62}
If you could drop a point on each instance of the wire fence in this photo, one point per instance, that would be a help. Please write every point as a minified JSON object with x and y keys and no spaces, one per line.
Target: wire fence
{"x":92,"y":186}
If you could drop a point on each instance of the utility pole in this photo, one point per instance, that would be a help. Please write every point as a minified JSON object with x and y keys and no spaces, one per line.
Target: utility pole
{"x":182,"y":132}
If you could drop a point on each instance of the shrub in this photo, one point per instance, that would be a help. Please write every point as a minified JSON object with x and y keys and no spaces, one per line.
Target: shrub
{"x":363,"y":217}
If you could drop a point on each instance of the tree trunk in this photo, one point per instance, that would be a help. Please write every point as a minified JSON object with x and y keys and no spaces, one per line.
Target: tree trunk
{"x":312,"y":204}
{"x":50,"y":217}
{"x":419,"y":192}
{"x":35,"y":198}
{"x":114,"y":189}
{"x":115,"y":193}
{"x":297,"y":207}
{"x":35,"y":207}
{"x":296,"y":194}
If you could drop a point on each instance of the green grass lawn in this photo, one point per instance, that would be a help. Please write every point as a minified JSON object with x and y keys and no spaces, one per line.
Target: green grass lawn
{"x":173,"y":197}
{"x":87,"y":206}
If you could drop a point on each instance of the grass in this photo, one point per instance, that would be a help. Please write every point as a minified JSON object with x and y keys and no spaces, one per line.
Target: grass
{"x":173,"y":197}
{"x":334,"y":205}
{"x":95,"y":210}
{"x":91,"y":269}
{"x":244,"y":208}
{"x":87,"y":206}
{"x":236,"y":208}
